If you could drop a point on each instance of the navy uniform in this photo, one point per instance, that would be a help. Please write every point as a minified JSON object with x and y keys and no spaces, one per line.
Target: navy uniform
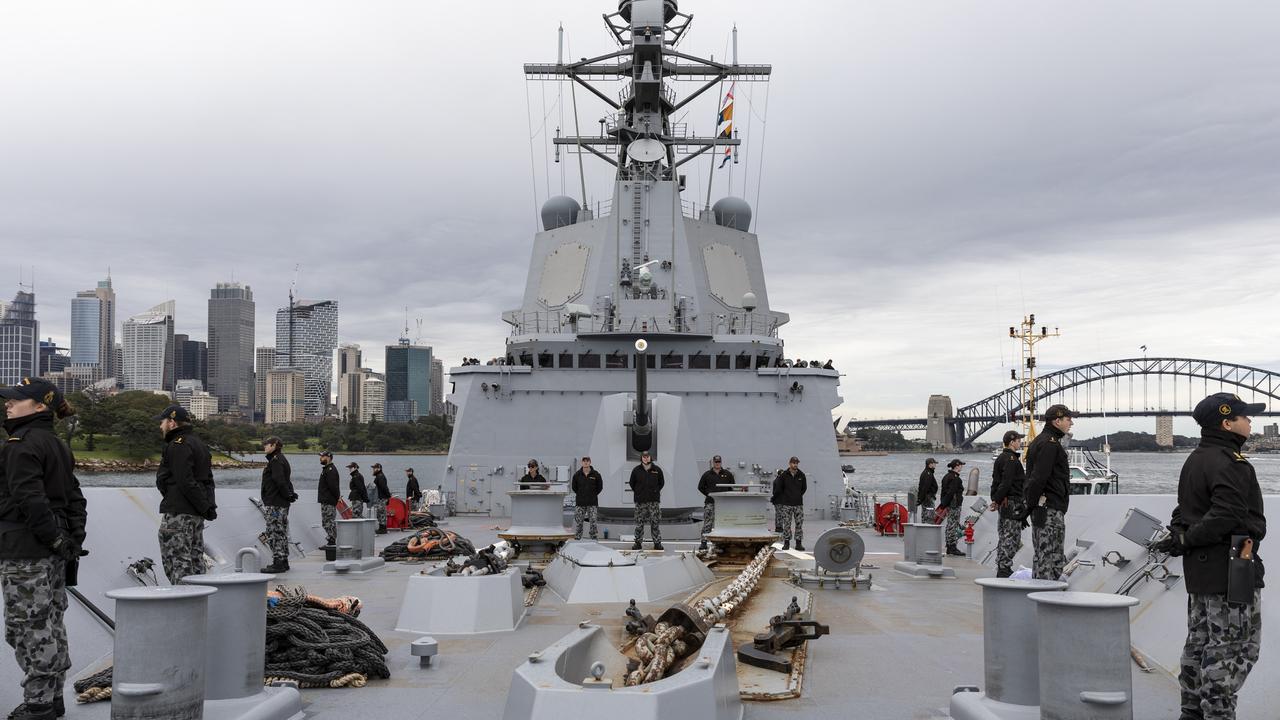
{"x":383,"y":493}
{"x":1048,"y":493}
{"x":185,"y":482}
{"x":412,"y":492}
{"x":707,"y":484}
{"x":952,"y":498}
{"x":1008,"y":482}
{"x":277,"y":496}
{"x":358,"y":493}
{"x":328,"y":494}
{"x":42,"y":527}
{"x":586,"y":485}
{"x":647,"y":481}
{"x":789,"y":488}
{"x":532,"y":477}
{"x":927,"y":491}
{"x":1219,"y":502}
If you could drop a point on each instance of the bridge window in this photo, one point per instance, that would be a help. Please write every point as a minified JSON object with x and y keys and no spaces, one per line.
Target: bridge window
{"x":526,"y":359}
{"x":671,"y":361}
{"x":588,"y":360}
{"x":615,"y":361}
{"x":546,"y":360}
{"x":743,"y":362}
{"x":699,"y":362}
{"x":722,"y":362}
{"x":566,"y":360}
{"x":762,"y":361}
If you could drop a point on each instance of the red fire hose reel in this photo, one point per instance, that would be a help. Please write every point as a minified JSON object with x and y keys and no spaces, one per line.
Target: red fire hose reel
{"x":890,"y":518}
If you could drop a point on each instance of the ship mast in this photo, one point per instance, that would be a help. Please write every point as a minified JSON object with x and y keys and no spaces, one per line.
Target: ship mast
{"x":1028,"y":338}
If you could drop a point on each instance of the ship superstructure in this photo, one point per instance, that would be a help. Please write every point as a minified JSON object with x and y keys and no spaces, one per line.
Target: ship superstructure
{"x":686,"y":277}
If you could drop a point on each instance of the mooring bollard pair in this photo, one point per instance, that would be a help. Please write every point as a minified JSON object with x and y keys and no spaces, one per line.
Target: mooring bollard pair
{"x":195,"y":651}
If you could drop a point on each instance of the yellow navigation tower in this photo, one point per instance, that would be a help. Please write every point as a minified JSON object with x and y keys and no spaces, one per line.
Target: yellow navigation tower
{"x":1027,"y":335}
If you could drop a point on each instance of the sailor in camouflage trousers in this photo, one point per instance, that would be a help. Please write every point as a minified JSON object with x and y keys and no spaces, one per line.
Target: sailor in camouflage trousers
{"x":185,"y":482}
{"x":1048,"y":540}
{"x":35,"y":599}
{"x":788,"y":498}
{"x":277,"y":496}
{"x":1007,"y":484}
{"x":181,"y":546}
{"x":1048,"y":492}
{"x":647,"y":481}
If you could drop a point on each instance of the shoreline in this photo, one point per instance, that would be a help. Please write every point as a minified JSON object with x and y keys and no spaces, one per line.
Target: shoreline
{"x":94,"y":465}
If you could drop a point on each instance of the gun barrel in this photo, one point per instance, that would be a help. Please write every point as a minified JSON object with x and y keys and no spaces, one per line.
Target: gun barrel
{"x":640,"y":435}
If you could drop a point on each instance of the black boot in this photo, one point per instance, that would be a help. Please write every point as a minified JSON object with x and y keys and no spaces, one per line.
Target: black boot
{"x":636,"y":546}
{"x":702,"y":545}
{"x":799,"y":546}
{"x":33,"y":711}
{"x":953,"y":550}
{"x":786,"y":545}
{"x":657,"y":546}
{"x":58,"y":708}
{"x":382,"y":530}
{"x":1003,"y":572}
{"x":278,"y":565}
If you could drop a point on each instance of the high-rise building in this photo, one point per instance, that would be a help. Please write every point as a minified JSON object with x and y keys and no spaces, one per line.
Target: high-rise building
{"x":231,"y":338}
{"x":437,"y":386}
{"x":264,"y":360}
{"x":306,"y":336}
{"x":286,"y":396}
{"x":148,"y":349}
{"x":1164,"y":430}
{"x":19,"y":340}
{"x":190,"y":394}
{"x":190,"y":360}
{"x":93,"y":329}
{"x":373,"y":395}
{"x":53,"y":359}
{"x":409,"y":378}
{"x":349,"y":359}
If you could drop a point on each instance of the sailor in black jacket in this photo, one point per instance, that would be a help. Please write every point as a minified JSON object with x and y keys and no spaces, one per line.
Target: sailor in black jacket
{"x":952,"y":497}
{"x":328,"y":493}
{"x":384,"y":494}
{"x":646,"y":484}
{"x":533,"y":477}
{"x":710,"y":482}
{"x":42,"y":527}
{"x":1219,"y":506}
{"x":1007,"y":486}
{"x":277,"y":496}
{"x":412,"y":493}
{"x":1048,"y":491}
{"x":789,"y":488}
{"x":927,"y":490}
{"x":586,"y":485}
{"x":185,"y":482}
{"x":358,"y":492}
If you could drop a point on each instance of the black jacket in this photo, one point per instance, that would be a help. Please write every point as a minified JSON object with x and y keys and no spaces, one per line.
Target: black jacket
{"x":952,"y":490}
{"x":586,"y":488}
{"x":647,"y":484}
{"x":1008,"y":482}
{"x":709,"y":481}
{"x":1218,"y":496}
{"x":39,"y":493}
{"x":927,"y":492}
{"x":277,"y":489}
{"x":412,"y":491}
{"x":380,"y":483}
{"x":359,"y":493}
{"x":185,"y":475}
{"x":1048,"y":471}
{"x":329,"y":492}
{"x":789,"y":489}
{"x":526,"y":480}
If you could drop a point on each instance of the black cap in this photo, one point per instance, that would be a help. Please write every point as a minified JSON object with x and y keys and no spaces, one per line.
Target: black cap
{"x":353,"y":465}
{"x":1011,"y":436}
{"x":377,"y":465}
{"x":716,"y":459}
{"x":531,"y":463}
{"x":1223,"y":406}
{"x":326,"y":453}
{"x":794,"y":459}
{"x":176,"y":413}
{"x":1058,"y":411}
{"x":930,"y":461}
{"x":38,"y":389}
{"x":955,"y":463}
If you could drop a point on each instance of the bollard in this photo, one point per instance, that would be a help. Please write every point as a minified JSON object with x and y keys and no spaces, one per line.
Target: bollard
{"x":160,"y":657}
{"x":1010,"y":649}
{"x":1084,"y":655}
{"x":365,"y":546}
{"x":349,"y":543}
{"x":254,"y":557}
{"x":922,"y":543}
{"x":236,"y":646}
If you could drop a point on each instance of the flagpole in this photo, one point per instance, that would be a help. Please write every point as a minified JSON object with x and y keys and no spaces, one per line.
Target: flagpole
{"x":715,"y":156}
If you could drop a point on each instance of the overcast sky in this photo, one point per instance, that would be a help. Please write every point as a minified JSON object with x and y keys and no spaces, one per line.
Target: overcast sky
{"x":931,"y":171}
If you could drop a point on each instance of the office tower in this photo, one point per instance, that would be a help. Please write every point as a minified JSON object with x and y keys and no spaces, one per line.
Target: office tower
{"x":373,"y":394}
{"x":19,"y":340}
{"x":53,"y":359}
{"x":231,"y":338}
{"x":408,"y":381}
{"x":286,"y":396}
{"x":349,"y":359}
{"x":93,"y":329}
{"x":306,"y":336}
{"x":264,"y":360}
{"x":437,"y":386}
{"x":190,"y":360}
{"x":148,"y":349}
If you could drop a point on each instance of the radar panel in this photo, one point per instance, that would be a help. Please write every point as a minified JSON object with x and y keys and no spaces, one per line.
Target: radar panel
{"x":563,"y":273}
{"x":726,"y":274}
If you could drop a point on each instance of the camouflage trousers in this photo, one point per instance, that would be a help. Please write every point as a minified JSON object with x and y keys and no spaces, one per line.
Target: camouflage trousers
{"x":329,"y":521}
{"x":278,"y":531}
{"x":708,"y":517}
{"x":1223,"y":642}
{"x":1010,"y":541}
{"x":380,"y":511}
{"x":953,"y":526}
{"x":791,"y":523}
{"x":589,"y":514}
{"x":649,"y":513}
{"x":35,"y":598}
{"x":1048,"y":540}
{"x":181,"y":546}
{"x":357,"y":509}
{"x":924,"y":514}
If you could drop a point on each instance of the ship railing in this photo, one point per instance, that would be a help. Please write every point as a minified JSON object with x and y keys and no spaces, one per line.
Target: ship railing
{"x":540,"y":322}
{"x":689,"y":208}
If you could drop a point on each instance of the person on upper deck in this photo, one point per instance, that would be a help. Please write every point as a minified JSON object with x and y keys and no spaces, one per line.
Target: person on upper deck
{"x":647,"y":481}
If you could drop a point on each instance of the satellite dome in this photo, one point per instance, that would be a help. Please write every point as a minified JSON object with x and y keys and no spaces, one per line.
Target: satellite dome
{"x":561,"y":210}
{"x":730,"y":212}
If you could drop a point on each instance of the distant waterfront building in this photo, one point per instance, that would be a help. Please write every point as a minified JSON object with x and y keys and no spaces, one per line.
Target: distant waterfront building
{"x":19,"y":340}
{"x":190,"y":360}
{"x":93,"y":329}
{"x":349,"y":359}
{"x":437,"y":386}
{"x":53,"y":359}
{"x":191,"y":395}
{"x":117,"y":362}
{"x":1272,"y":430}
{"x":373,"y":396}
{"x":409,"y":379}
{"x":148,"y":349}
{"x":286,"y":396}
{"x":1164,"y":431}
{"x":231,"y":340}
{"x":264,"y":360}
{"x":306,"y":336}
{"x":362,"y":395}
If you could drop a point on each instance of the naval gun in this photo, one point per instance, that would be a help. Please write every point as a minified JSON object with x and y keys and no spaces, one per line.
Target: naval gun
{"x":641,"y":433}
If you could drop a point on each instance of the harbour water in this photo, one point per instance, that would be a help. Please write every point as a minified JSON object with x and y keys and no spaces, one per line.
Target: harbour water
{"x":1140,"y":473}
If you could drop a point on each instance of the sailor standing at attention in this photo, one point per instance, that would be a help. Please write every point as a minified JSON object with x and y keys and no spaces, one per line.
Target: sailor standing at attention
{"x":952,"y":497}
{"x":1217,"y":523}
{"x":646,"y":484}
{"x":42,"y":522}
{"x":185,"y":482}
{"x":586,"y":485}
{"x":358,"y":494}
{"x":1048,"y":491}
{"x":927,"y":491}
{"x":383,"y":492}
{"x":328,"y":493}
{"x":277,"y":496}
{"x":412,"y":493}
{"x":788,"y":499}
{"x":532,"y":477}
{"x":710,"y":482}
{"x":1008,"y":481}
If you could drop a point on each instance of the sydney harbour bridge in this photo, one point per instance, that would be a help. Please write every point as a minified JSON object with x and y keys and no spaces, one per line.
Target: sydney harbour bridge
{"x":1132,"y":387}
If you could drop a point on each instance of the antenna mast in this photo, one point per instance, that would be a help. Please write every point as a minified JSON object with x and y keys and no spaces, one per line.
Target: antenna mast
{"x":292,"y":285}
{"x":1027,"y":335}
